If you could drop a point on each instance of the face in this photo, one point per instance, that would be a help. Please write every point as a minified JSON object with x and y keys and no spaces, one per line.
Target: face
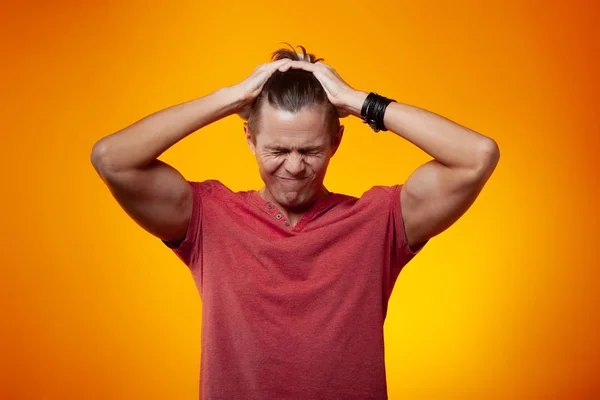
{"x":293,"y":152}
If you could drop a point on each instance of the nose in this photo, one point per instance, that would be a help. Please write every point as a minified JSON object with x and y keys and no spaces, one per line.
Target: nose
{"x":294,"y":165}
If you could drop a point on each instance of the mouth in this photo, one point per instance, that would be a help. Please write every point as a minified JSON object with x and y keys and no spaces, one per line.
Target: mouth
{"x":292,"y":179}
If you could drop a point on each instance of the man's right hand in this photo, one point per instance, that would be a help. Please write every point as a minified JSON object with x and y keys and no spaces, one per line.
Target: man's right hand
{"x":251,"y":87}
{"x":152,"y":192}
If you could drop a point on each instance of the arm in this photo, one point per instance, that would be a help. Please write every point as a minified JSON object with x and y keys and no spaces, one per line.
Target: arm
{"x":151,"y":192}
{"x":440,"y":191}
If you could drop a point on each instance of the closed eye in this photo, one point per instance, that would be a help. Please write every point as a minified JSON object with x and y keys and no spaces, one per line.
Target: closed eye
{"x":304,"y":152}
{"x":311,"y":153}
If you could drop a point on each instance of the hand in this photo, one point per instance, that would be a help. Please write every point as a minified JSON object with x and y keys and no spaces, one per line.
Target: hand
{"x":346,"y":100}
{"x":250,"y":88}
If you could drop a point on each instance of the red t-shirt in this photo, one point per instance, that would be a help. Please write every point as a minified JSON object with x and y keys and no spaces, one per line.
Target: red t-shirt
{"x":294,"y":312}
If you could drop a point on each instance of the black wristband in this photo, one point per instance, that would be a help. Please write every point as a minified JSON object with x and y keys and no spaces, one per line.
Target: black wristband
{"x":373,"y":111}
{"x":379,"y":118}
{"x":368,"y":101}
{"x":378,"y":115}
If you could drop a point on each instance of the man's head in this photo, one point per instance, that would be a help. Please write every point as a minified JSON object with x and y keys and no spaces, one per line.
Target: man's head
{"x":293,"y":131}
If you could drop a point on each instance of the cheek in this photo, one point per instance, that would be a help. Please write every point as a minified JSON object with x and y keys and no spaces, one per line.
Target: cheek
{"x":318,"y":164}
{"x":269,"y":164}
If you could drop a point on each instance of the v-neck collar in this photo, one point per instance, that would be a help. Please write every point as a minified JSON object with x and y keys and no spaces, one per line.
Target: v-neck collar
{"x":279,"y":218}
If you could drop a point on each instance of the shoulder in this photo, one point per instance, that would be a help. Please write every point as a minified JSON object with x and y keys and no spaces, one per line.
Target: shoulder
{"x":209,"y":187}
{"x":374,"y":203}
{"x":382,"y":194}
{"x":376,"y":196}
{"x":213,"y":193}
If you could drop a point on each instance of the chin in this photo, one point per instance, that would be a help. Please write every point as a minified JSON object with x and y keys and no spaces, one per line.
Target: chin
{"x":288,"y":201}
{"x":297,"y":200}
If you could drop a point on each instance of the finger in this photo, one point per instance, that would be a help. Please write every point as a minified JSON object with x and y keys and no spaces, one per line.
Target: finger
{"x":272,"y":66}
{"x":304,"y":65}
{"x":285,"y":67}
{"x":279,"y":63}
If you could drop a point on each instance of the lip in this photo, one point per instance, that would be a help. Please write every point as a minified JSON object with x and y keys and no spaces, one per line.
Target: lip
{"x":292,"y":179}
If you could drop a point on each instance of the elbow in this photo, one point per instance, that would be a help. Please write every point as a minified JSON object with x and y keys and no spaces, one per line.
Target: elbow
{"x":488,"y":157}
{"x":491,"y":151}
{"x":99,"y":156}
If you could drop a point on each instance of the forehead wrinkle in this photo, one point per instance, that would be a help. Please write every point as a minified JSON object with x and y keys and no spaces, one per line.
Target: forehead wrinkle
{"x":304,"y":130}
{"x":292,"y":148}
{"x":307,"y":119}
{"x":293,"y":139}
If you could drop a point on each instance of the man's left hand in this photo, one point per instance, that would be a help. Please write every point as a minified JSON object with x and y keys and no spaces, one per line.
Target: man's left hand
{"x":346,"y":100}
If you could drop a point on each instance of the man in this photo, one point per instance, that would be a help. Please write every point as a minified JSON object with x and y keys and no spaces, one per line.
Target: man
{"x":294,"y":279}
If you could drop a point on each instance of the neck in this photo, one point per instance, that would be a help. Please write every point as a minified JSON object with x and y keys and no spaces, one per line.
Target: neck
{"x":293,"y":214}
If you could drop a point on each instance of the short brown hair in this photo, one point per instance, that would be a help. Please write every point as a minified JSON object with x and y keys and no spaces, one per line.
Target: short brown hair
{"x":293,"y":90}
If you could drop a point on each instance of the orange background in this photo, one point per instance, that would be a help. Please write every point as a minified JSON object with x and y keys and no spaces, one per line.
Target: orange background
{"x":503,"y":305}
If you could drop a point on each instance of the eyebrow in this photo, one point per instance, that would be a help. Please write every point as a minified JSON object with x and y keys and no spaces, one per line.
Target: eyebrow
{"x":301,"y":149}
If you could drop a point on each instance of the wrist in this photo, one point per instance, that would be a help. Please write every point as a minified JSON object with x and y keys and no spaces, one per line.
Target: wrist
{"x":355,"y":102}
{"x":232,"y":99}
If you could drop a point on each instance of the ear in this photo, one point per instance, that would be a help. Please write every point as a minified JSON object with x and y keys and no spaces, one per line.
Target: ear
{"x":337,"y":139}
{"x":249,"y":138}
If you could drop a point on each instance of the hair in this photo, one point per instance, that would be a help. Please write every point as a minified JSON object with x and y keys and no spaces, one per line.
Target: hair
{"x":293,"y":90}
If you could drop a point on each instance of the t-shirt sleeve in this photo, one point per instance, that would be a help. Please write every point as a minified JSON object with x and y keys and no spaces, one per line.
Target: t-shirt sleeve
{"x":401,"y":252}
{"x":387,"y":208}
{"x":189,"y":250}
{"x":406,"y":252}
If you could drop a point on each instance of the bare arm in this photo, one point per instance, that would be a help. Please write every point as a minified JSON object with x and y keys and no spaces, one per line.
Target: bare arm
{"x":150,"y":191}
{"x":440,"y":191}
